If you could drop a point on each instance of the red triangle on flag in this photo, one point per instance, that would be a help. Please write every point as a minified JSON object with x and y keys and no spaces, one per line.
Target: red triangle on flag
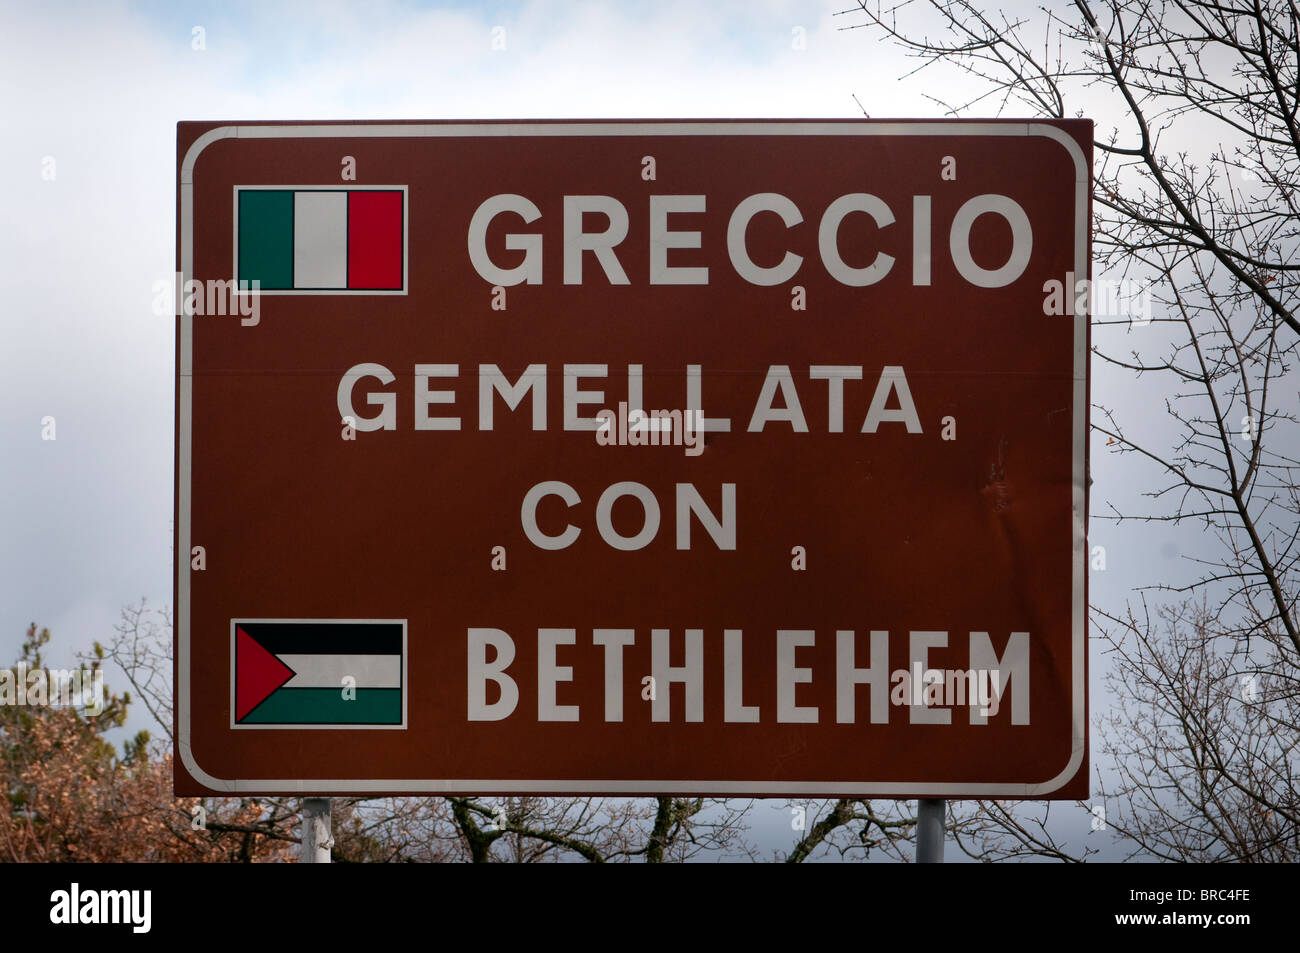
{"x":257,"y":673}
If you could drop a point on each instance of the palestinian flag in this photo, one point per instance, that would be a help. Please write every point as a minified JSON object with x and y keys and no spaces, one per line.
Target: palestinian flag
{"x":321,"y":239}
{"x":326,"y":673}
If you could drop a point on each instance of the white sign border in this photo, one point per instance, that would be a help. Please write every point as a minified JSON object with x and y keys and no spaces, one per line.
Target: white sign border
{"x":590,"y":129}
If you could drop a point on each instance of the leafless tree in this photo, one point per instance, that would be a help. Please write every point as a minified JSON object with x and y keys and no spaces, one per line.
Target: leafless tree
{"x":852,"y":829}
{"x":1195,"y":206}
{"x":1204,"y":741}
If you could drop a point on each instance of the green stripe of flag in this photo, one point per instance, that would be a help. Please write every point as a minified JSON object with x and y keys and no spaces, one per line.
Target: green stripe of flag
{"x":266,"y":237}
{"x":327,"y":706}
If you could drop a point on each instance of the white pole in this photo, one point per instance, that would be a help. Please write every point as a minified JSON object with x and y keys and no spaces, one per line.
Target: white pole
{"x":317,"y":838}
{"x":929,"y":831}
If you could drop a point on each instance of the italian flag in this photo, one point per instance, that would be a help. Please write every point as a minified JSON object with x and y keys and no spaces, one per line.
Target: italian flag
{"x":327,"y":672}
{"x":320,"y":239}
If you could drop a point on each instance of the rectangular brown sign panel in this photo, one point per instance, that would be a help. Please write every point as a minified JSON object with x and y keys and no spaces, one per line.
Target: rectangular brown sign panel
{"x":632,"y":457}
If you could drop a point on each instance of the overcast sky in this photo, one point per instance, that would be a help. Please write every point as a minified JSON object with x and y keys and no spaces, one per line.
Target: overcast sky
{"x":92,"y":92}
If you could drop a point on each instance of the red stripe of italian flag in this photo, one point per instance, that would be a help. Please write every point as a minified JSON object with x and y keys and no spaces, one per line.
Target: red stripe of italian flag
{"x":320,"y":239}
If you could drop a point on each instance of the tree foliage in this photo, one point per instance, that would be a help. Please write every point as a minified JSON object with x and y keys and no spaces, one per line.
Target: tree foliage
{"x":69,"y":796}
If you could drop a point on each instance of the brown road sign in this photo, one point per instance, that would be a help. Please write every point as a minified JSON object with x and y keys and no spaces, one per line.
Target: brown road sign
{"x":632,"y":457}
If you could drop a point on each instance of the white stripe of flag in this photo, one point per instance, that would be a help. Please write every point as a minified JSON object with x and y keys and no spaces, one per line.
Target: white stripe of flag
{"x":328,"y":671}
{"x":320,"y":240}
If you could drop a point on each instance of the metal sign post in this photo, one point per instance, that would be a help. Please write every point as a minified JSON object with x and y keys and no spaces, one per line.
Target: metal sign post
{"x":317,"y":835}
{"x":929,"y":831}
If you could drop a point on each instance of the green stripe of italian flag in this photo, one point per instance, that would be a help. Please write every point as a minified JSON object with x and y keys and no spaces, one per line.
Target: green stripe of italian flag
{"x":325,"y":673}
{"x":321,"y":239}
